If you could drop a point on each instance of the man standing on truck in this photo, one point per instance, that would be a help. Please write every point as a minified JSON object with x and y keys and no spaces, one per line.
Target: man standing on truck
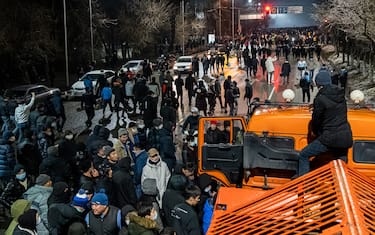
{"x":329,"y":123}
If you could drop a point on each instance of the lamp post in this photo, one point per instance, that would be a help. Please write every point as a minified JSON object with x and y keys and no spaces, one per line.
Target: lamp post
{"x":91,"y":32}
{"x":233,"y":21}
{"x":66,"y":47}
{"x":183,"y":25}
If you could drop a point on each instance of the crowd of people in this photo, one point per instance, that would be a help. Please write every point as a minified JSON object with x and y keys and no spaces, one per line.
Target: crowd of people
{"x":132,"y":184}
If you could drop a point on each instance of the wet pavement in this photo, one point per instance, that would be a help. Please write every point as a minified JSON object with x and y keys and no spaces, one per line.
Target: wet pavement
{"x":76,"y":118}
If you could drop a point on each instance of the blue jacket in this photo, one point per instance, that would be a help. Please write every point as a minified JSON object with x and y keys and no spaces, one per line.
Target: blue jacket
{"x":7,"y":159}
{"x":140,"y":162}
{"x":208,"y":210}
{"x":106,"y":93}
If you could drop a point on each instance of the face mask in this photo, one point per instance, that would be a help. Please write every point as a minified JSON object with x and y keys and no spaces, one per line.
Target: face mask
{"x":154,"y":163}
{"x":80,"y":209}
{"x":38,"y":220}
{"x":127,"y":221}
{"x":155,"y":216}
{"x":69,"y":137}
{"x":21,"y":177}
{"x":141,"y":126}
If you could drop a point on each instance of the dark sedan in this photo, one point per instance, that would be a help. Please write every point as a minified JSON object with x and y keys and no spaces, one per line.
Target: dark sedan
{"x":42,"y":93}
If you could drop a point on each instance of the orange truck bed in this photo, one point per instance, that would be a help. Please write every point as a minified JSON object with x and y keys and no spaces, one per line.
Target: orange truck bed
{"x":333,"y":199}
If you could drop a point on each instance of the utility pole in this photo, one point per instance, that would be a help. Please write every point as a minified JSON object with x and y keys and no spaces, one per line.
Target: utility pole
{"x":233,"y":21}
{"x":183,"y":26}
{"x":91,"y":33}
{"x":220,"y":20}
{"x":66,"y":47}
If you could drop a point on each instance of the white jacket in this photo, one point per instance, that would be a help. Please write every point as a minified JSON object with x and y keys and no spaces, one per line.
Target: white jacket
{"x":160,"y":173}
{"x":22,"y":112}
{"x":269,"y":64}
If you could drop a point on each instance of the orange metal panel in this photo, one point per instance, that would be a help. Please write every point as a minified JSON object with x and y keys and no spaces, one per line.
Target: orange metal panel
{"x":333,"y":199}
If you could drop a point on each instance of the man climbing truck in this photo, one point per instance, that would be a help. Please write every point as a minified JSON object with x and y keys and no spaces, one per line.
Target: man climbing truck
{"x":263,"y":152}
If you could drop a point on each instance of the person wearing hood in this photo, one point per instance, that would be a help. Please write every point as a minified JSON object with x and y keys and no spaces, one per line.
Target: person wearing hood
{"x":153,"y":138}
{"x":93,"y":137}
{"x":62,"y":216}
{"x":38,"y":195}
{"x":7,"y":156}
{"x":16,"y":186}
{"x":68,"y":149}
{"x":329,"y":123}
{"x":173,"y":196}
{"x":156,"y":169}
{"x":167,"y":147}
{"x":60,"y":194}
{"x":144,"y":222}
{"x":16,"y":210}
{"x":89,"y":174}
{"x":122,"y":181}
{"x":285,"y":71}
{"x":27,"y":154}
{"x":27,"y":223}
{"x":54,"y":165}
{"x":100,"y":139}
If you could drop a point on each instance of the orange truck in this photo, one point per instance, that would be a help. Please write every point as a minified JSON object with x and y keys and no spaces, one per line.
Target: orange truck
{"x":261,"y":156}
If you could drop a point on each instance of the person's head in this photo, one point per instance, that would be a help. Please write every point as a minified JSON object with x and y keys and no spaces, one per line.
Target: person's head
{"x":213,"y":124}
{"x":68,"y":135}
{"x":122,"y":134}
{"x":29,"y":219}
{"x":9,"y":136}
{"x":192,"y":195}
{"x":99,"y":203}
{"x":323,"y":80}
{"x":157,"y":123}
{"x":147,"y":210}
{"x":306,"y":73}
{"x":132,"y":127}
{"x":100,"y":150}
{"x":81,"y":200}
{"x":188,"y":170}
{"x":43,"y":180}
{"x":229,"y":77}
{"x":153,"y":156}
{"x":19,"y":172}
{"x":89,"y":189}
{"x":194,"y":111}
{"x":111,"y":154}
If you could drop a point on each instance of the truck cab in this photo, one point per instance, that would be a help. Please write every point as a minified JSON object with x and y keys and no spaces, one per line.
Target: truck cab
{"x":262,"y":152}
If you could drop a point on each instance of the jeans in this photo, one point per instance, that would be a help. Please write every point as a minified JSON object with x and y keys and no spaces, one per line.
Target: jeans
{"x":5,"y":126}
{"x":18,"y":131}
{"x":316,"y":148}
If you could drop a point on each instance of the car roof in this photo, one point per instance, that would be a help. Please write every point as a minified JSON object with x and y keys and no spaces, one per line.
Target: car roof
{"x":99,"y":71}
{"x":134,"y":61}
{"x":186,"y":56}
{"x":25,"y":87}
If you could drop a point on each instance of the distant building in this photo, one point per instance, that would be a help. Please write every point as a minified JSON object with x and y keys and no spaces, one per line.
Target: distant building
{"x":282,"y":14}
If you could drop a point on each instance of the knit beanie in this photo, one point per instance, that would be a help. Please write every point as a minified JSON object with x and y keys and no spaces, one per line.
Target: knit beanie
{"x":42,"y":179}
{"x":28,"y":219}
{"x":100,"y":198}
{"x":81,"y":199}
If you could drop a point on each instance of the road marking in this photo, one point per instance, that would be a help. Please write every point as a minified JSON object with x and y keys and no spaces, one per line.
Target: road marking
{"x":271,"y":94}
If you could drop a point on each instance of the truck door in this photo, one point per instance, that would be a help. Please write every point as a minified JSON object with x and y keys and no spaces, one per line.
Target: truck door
{"x":220,"y":149}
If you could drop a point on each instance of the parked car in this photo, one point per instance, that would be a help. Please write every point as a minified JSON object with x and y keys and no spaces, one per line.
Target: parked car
{"x":78,"y":88}
{"x":183,"y":64}
{"x":42,"y":92}
{"x":134,"y":66}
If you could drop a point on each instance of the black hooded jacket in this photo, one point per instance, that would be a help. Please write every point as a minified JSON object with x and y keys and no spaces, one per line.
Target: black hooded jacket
{"x":122,"y":183}
{"x":329,"y":118}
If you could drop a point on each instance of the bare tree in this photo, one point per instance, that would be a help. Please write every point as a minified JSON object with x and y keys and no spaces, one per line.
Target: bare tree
{"x":143,"y":20}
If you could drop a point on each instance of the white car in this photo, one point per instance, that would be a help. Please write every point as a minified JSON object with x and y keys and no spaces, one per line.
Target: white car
{"x":183,"y":64}
{"x":134,"y":66}
{"x":78,"y":88}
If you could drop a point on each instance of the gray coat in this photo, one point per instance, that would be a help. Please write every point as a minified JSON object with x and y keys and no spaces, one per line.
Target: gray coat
{"x":38,"y":195}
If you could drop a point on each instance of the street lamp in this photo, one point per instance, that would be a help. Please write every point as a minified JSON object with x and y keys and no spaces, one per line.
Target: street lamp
{"x":183,"y":25}
{"x":91,"y":33}
{"x":66,"y":47}
{"x":233,"y":21}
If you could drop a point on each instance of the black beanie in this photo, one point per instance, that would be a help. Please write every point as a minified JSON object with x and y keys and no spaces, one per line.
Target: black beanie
{"x":28,"y":219}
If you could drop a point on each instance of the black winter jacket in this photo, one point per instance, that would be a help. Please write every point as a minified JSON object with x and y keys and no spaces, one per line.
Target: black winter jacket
{"x":329,"y":118}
